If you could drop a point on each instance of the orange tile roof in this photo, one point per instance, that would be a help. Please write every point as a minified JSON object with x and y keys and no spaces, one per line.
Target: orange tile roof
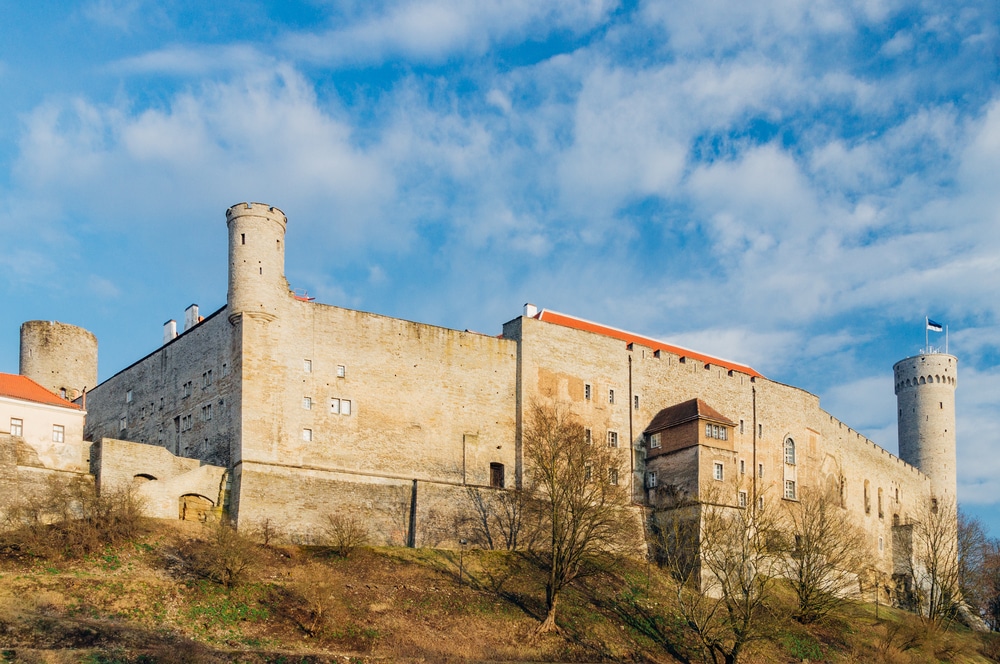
{"x":22,"y":387}
{"x":587,"y":326}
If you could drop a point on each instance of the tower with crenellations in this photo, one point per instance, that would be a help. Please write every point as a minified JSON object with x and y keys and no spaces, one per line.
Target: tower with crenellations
{"x":925,"y":397}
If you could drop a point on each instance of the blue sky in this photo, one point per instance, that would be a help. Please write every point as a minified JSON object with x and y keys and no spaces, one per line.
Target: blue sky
{"x":792,"y":184}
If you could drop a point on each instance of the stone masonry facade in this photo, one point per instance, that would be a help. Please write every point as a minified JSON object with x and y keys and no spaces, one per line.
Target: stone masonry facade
{"x":308,"y":410}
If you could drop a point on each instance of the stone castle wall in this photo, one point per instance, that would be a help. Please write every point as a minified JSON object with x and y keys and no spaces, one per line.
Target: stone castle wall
{"x":183,"y":396}
{"x":560,"y":362}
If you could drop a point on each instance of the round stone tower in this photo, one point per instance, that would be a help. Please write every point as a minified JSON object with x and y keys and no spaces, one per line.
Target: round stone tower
{"x":59,"y":357}
{"x":257,"y":285}
{"x":925,"y":396}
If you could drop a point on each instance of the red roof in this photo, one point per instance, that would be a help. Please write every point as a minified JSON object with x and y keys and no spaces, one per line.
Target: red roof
{"x":628,"y":337}
{"x":22,"y":387}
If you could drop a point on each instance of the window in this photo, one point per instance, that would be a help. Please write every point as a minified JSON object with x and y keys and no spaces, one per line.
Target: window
{"x":307,"y":366}
{"x":587,"y":472}
{"x":341,"y":371}
{"x":307,"y":403}
{"x":128,"y":396}
{"x":760,"y":470}
{"x":588,"y":436}
{"x":654,"y":440}
{"x":611,"y":396}
{"x":496,"y":475}
{"x":881,"y":544}
{"x":613,"y":476}
{"x":743,"y":498}
{"x":635,"y":400}
{"x":717,"y":471}
{"x":790,"y":451}
{"x":716,"y":431}
{"x":741,"y":426}
{"x":868,"y":499}
{"x":743,"y":467}
{"x":586,"y":391}
{"x":206,"y":378}
{"x":307,"y":435}
{"x":62,"y":392}
{"x":881,"y":514}
{"x":760,"y":430}
{"x":206,"y":412}
{"x":790,"y":489}
{"x":345,"y":407}
{"x":651,"y":479}
{"x":187,"y":389}
{"x":187,"y":422}
{"x":122,"y":425}
{"x":612,"y":439}
{"x":225,"y":369}
{"x":760,"y":503}
{"x":335,"y":406}
{"x":58,"y":433}
{"x":16,"y":426}
{"x":161,"y":403}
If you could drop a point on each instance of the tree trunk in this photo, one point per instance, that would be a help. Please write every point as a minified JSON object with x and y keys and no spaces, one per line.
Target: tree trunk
{"x":549,"y":624}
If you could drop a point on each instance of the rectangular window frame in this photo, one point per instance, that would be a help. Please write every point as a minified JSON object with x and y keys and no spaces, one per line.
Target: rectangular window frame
{"x":16,"y":426}
{"x":718,"y":471}
{"x":58,"y":433}
{"x":790,"y":490}
{"x":655,"y":440}
{"x":612,"y":438}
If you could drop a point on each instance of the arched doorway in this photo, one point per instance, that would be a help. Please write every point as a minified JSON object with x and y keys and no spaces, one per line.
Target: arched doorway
{"x":193,"y":507}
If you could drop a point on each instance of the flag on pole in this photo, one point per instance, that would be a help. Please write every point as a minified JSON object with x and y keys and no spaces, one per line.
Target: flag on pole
{"x":934,"y":327}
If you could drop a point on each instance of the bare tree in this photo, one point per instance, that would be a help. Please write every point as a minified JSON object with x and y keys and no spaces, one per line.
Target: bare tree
{"x":581,"y":507}
{"x":934,"y":563}
{"x":725,"y":558}
{"x":973,"y":547}
{"x":825,"y":550}
{"x":499,"y":517}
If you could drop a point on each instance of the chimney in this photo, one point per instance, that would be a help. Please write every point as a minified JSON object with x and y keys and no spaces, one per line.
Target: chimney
{"x":530,"y":310}
{"x":191,"y":317}
{"x":169,"y":331}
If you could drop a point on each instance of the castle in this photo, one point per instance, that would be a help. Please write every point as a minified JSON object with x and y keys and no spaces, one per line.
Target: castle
{"x":277,"y":407}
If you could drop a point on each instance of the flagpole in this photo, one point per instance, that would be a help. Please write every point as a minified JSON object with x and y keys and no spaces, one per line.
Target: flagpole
{"x":927,"y":338}
{"x":945,"y":339}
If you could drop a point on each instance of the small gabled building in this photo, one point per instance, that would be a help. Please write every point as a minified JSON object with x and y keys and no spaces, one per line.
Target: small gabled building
{"x":41,"y":435}
{"x":688,"y":446}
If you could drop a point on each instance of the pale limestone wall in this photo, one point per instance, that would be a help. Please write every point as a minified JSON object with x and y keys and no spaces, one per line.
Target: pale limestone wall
{"x":171,"y":395}
{"x":39,"y":448}
{"x":557,"y":362}
{"x":427,"y":403}
{"x":60,"y":357}
{"x":299,"y":501}
{"x":22,"y":477}
{"x":160,"y":477}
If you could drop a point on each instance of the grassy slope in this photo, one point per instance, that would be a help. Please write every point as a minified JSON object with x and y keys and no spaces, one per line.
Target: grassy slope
{"x":142,"y":602}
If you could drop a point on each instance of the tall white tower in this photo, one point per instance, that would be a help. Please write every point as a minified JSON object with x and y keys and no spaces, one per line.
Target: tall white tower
{"x":257,"y":284}
{"x":925,"y":396}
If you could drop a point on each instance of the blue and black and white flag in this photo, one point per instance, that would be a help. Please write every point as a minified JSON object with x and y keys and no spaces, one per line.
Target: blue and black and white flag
{"x":934,"y":327}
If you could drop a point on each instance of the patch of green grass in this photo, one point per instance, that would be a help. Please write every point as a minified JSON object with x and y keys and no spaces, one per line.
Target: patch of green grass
{"x":802,"y":646}
{"x":214,"y":608}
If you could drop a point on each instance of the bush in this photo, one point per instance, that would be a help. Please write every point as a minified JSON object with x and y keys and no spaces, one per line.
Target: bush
{"x":345,"y":533}
{"x":226,"y":557}
{"x":71,"y":519}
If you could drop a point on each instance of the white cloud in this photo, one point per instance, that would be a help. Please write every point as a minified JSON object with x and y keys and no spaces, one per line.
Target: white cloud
{"x":431,"y":30}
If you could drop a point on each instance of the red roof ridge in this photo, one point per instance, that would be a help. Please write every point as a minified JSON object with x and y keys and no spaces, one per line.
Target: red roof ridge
{"x":577,"y":323}
{"x":16,"y":386}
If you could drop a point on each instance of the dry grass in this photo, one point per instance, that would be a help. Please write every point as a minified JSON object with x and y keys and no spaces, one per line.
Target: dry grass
{"x":145,"y":599}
